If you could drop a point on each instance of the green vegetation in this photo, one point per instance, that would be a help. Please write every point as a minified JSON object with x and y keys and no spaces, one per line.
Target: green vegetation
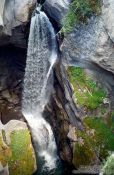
{"x":82,"y":154}
{"x":104,"y":135}
{"x":96,"y":139}
{"x":86,"y":91}
{"x":110,"y":121}
{"x":80,"y":11}
{"x":22,"y":161}
{"x":108,"y":168}
{"x":19,"y":154}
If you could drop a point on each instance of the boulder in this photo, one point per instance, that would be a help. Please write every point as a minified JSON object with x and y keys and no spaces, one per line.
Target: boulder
{"x":72,"y":134}
{"x":108,"y":16}
{"x":17,"y":154}
{"x":57,"y":9}
{"x":92,"y":42}
{"x":13,"y":15}
{"x":87,"y":44}
{"x":16,"y":13}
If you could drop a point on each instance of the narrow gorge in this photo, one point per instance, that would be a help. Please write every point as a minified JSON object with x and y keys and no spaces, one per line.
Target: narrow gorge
{"x":56,"y":87}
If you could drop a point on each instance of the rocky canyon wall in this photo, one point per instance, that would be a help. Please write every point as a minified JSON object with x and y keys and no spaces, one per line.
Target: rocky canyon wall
{"x":88,"y":45}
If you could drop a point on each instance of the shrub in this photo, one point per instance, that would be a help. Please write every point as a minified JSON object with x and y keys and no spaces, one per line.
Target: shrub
{"x":80,"y":11}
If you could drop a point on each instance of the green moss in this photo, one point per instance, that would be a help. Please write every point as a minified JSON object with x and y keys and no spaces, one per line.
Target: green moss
{"x":97,"y":139}
{"x":22,"y":161}
{"x":98,"y":133}
{"x":18,"y":155}
{"x":104,"y":135}
{"x":80,"y":11}
{"x":110,"y":121}
{"x":82,"y":155}
{"x":83,"y":150}
{"x":86,"y":91}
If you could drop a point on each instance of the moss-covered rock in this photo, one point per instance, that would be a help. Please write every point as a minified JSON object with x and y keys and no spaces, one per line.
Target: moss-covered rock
{"x":103,"y":136}
{"x":83,"y":150}
{"x":95,"y":142}
{"x":80,"y":11}
{"x":16,"y":149}
{"x":82,"y":154}
{"x":86,"y":91}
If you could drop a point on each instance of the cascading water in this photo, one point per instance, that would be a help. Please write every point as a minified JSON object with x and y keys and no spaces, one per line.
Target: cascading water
{"x":42,"y":54}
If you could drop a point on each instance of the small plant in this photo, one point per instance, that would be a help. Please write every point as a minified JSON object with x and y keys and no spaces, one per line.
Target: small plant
{"x":80,"y":11}
{"x":108,"y":168}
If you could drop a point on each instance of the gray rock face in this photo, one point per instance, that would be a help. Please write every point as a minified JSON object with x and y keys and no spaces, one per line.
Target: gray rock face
{"x":108,"y":16}
{"x":57,"y":9}
{"x":89,"y":43}
{"x":104,"y":53}
{"x":92,"y":42}
{"x":80,"y":45}
{"x":14,"y":14}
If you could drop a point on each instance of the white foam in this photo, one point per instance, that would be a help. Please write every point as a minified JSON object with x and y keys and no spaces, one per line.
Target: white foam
{"x":41,"y":57}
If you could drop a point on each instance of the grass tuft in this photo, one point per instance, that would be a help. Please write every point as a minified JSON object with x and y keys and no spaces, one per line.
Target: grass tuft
{"x":80,"y":11}
{"x":86,"y":91}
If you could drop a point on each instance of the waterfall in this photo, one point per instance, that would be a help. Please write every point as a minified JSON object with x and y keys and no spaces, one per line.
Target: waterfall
{"x":41,"y":56}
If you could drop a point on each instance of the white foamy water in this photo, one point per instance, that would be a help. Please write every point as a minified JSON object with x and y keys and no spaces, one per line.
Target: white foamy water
{"x":43,"y":136}
{"x":41,"y":57}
